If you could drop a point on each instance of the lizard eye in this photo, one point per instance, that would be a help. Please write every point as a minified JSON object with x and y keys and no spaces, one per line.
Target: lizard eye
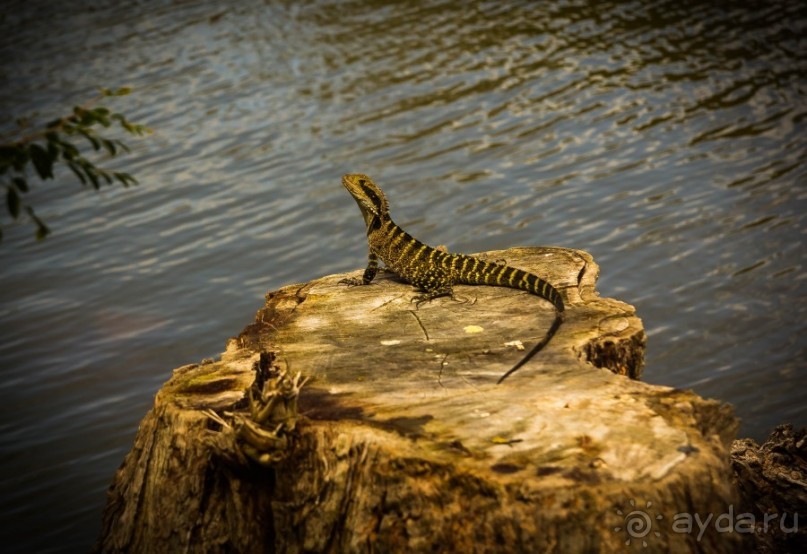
{"x":362,"y":182}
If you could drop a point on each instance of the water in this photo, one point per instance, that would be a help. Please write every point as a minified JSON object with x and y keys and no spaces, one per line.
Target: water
{"x":667,"y":139}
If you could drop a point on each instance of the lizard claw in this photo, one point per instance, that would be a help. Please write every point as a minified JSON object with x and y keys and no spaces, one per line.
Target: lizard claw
{"x":420,"y":299}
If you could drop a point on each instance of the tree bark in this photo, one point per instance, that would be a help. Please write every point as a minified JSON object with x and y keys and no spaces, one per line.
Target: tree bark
{"x":396,"y":437}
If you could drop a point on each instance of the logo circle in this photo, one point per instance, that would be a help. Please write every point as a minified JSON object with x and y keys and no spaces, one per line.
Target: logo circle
{"x":638,"y":524}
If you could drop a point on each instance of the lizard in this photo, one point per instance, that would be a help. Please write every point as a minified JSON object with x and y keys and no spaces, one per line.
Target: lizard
{"x":433,"y":270}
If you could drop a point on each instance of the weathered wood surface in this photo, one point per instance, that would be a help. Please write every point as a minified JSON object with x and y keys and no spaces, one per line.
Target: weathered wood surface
{"x":407,"y":444}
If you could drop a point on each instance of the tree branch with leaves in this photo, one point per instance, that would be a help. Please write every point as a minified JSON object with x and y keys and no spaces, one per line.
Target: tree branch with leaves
{"x":57,"y":143}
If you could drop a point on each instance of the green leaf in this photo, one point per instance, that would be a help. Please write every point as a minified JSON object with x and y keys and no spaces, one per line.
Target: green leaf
{"x":42,"y":230}
{"x":84,"y":117}
{"x":123,"y":91}
{"x":125,"y":178}
{"x":130,"y":127}
{"x":75,"y":168}
{"x":41,"y":160}
{"x":110,"y":146}
{"x":68,"y":150}
{"x":13,"y":202}
{"x":89,"y":169}
{"x":53,"y":151}
{"x":8,"y":154}
{"x":96,"y":145}
{"x":20,"y":183}
{"x":101,"y":115}
{"x":105,"y":174}
{"x":13,"y":155}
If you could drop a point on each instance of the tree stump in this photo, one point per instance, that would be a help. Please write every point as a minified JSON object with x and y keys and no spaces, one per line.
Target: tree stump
{"x":401,"y":440}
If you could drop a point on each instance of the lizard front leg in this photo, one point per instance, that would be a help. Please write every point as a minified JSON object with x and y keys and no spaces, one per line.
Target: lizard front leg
{"x":369,"y":272}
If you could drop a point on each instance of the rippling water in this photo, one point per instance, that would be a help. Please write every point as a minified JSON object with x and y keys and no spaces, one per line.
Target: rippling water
{"x":666,"y":138}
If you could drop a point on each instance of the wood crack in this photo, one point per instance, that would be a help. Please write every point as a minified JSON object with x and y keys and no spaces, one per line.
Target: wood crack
{"x":425,"y":332}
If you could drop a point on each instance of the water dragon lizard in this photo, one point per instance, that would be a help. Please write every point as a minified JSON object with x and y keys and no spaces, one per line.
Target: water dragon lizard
{"x":433,"y":270}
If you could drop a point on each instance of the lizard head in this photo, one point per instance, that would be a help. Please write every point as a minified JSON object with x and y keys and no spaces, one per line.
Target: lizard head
{"x":367,"y":195}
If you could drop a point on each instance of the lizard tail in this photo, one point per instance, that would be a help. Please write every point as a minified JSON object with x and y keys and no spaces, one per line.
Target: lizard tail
{"x":537,"y":347}
{"x":485,"y":273}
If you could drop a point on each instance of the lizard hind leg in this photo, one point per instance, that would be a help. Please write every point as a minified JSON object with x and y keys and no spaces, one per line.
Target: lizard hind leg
{"x":430,"y":295}
{"x":447,"y":291}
